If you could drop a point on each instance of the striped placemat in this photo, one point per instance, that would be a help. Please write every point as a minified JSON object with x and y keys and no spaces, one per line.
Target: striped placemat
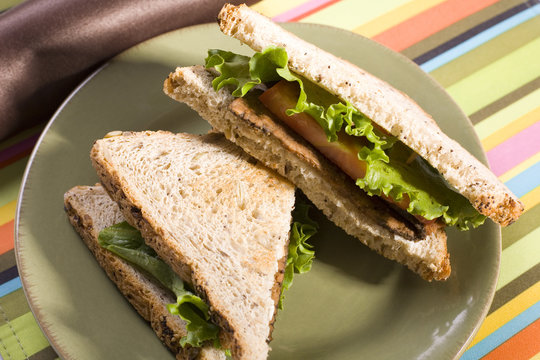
{"x":486,"y":53}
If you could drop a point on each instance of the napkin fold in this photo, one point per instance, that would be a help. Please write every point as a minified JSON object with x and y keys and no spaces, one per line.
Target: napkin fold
{"x":47,"y":47}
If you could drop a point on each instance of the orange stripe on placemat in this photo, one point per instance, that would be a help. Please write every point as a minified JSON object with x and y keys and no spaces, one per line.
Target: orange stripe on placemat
{"x":6,"y":237}
{"x":524,"y":345}
{"x":429,"y":22}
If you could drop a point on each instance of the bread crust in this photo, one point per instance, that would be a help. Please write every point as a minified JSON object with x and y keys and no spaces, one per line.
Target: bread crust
{"x":385,"y":105}
{"x":327,"y":187}
{"x":89,"y":210}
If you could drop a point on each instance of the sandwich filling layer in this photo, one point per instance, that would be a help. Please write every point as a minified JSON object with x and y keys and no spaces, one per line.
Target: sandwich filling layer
{"x":379,"y":163}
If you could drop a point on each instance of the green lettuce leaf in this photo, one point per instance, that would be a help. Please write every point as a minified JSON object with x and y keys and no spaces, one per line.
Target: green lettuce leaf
{"x":301,"y":253}
{"x":194,"y":311}
{"x":126,"y":242}
{"x":392,"y":177}
{"x":427,"y":193}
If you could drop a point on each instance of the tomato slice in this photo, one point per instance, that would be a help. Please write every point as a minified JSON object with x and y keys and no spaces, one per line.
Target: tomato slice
{"x":343,"y":152}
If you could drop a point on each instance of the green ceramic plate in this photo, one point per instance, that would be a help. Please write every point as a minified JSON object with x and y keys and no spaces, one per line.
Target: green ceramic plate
{"x":352,"y":305}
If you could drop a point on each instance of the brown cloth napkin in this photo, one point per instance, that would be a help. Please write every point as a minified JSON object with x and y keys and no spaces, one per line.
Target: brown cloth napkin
{"x":47,"y":47}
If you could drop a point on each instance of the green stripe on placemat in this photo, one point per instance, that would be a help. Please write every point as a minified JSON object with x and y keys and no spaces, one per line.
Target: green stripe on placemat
{"x":527,"y":223}
{"x":13,"y":305}
{"x":20,"y":337}
{"x":7,"y":260}
{"x":524,"y":97}
{"x":519,"y":258}
{"x":516,"y":286}
{"x":497,"y":79}
{"x":487,"y":53}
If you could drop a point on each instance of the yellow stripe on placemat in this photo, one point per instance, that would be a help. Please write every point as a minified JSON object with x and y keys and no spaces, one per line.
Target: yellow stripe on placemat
{"x":519,"y":257}
{"x":21,"y":338}
{"x":535,"y":357}
{"x":272,"y":8}
{"x":505,"y":116}
{"x":7,"y":212}
{"x":394,"y":17}
{"x":531,"y":199}
{"x":497,"y":79}
{"x":348,"y":14}
{"x":511,"y":129}
{"x":507,"y":312}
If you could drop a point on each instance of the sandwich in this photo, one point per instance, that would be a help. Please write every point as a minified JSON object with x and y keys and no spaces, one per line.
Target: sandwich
{"x":364,"y":153}
{"x":195,"y":233}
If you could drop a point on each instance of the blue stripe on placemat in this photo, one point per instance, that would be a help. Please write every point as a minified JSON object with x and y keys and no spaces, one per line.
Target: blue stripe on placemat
{"x":10,"y":286}
{"x":502,"y":334}
{"x":525,"y":181}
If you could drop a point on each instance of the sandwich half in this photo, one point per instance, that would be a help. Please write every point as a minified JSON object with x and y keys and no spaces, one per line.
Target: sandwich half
{"x":214,"y":215}
{"x":91,"y":210}
{"x":363,"y":152}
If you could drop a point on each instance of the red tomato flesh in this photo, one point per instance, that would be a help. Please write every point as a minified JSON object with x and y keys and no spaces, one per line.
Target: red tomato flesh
{"x":342,"y":152}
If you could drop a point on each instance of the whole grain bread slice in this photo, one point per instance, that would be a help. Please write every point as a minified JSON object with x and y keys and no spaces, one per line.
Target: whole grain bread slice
{"x":216,"y":216}
{"x":90,"y":210}
{"x":386,"y":106}
{"x":327,"y":187}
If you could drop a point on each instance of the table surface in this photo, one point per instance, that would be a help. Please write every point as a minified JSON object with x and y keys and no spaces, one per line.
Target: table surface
{"x":485,"y":53}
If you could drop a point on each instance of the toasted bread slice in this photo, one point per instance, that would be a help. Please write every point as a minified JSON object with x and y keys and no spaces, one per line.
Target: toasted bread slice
{"x":279,"y":148}
{"x":386,"y":106}
{"x":90,"y":210}
{"x":219,"y":219}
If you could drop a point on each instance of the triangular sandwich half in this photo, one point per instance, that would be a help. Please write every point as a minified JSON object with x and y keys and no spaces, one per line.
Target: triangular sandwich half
{"x":90,"y":210}
{"x":215,"y":216}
